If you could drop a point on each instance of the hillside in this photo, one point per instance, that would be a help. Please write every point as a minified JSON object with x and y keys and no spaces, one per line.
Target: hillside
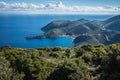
{"x":87,"y":62}
{"x":105,"y":32}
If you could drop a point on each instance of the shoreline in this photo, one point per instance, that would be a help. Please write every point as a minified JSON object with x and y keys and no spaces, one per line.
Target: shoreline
{"x":68,"y":36}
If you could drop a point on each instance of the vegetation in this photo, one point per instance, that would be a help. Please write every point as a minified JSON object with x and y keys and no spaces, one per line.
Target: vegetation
{"x":87,"y":62}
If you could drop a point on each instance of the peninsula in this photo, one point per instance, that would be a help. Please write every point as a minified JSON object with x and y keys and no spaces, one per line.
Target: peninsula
{"x":84,"y":31}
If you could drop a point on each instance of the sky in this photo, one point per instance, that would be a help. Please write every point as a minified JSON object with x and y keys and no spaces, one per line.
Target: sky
{"x":60,"y":6}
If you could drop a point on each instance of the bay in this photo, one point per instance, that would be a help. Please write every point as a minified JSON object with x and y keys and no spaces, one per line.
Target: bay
{"x":14,"y":29}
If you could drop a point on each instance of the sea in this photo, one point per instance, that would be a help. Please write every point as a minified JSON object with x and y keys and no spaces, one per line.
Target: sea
{"x":15,"y":27}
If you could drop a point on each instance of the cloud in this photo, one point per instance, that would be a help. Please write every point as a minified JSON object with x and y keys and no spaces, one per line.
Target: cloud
{"x":56,"y":8}
{"x":2,"y":5}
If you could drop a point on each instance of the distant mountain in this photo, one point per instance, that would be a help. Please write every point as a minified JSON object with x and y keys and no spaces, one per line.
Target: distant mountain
{"x":84,"y":31}
{"x":112,"y":23}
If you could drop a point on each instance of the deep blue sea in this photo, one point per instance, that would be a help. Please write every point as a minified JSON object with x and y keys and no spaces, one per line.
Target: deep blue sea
{"x":14,"y":29}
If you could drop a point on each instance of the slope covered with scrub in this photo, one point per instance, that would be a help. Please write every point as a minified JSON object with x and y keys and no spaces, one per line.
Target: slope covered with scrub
{"x":87,"y":62}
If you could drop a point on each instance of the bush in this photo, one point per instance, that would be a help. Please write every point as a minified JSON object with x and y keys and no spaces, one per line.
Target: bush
{"x":7,"y":73}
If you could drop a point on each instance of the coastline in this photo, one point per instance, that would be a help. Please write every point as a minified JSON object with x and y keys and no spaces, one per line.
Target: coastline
{"x":72,"y":37}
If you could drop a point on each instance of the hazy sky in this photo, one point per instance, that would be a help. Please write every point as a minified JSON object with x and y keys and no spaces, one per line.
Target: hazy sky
{"x":60,"y":6}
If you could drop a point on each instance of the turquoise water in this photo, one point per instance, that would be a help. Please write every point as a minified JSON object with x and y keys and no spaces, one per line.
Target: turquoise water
{"x":14,"y":29}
